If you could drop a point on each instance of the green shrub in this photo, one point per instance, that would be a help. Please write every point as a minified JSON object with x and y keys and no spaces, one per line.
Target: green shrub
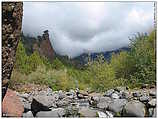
{"x":143,"y":55}
{"x":132,"y":69}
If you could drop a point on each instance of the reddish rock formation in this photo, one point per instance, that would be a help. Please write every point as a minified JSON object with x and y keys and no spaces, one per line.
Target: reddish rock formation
{"x":44,"y":46}
{"x":12,"y":13}
{"x":12,"y":106}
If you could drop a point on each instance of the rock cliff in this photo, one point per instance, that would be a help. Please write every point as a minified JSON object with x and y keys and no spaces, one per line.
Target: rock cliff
{"x":44,"y":47}
{"x":12,"y":13}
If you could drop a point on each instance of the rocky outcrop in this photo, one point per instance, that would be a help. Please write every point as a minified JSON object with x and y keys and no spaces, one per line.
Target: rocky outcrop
{"x":44,"y":47}
{"x":12,"y":13}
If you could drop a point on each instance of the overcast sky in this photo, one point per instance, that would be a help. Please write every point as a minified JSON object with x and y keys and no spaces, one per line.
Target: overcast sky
{"x":78,"y":27}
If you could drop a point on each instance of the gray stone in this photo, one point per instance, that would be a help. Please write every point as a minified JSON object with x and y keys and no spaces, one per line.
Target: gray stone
{"x":134,"y":109}
{"x":102,"y":105}
{"x":117,"y":105}
{"x":87,"y":112}
{"x":109,"y":114}
{"x":64,"y":102}
{"x":144,"y":98}
{"x":137,"y":94}
{"x":42,"y":103}
{"x":45,"y":100}
{"x":61,"y":94}
{"x":47,"y":114}
{"x":102,"y":114}
{"x":83,"y":102}
{"x":104,"y":99}
{"x":72,"y":110}
{"x":152,"y":93}
{"x":59,"y":112}
{"x":115,"y":96}
{"x":105,"y":114}
{"x":124,"y":94}
{"x":71,"y":97}
{"x":26,"y":104}
{"x":30,"y":98}
{"x":71,"y":92}
{"x":96,"y":98}
{"x":28,"y":114}
{"x":104,"y":102}
{"x":109,"y":92}
{"x":24,"y":95}
{"x":43,"y":92}
{"x":152,"y":103}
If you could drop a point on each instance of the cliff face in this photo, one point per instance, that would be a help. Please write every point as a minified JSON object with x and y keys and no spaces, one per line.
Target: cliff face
{"x":12,"y":13}
{"x":44,"y":46}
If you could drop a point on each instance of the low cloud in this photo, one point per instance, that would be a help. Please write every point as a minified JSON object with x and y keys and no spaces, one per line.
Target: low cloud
{"x":77,"y":27}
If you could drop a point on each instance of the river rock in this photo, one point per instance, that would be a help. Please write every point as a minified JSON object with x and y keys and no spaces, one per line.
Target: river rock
{"x":71,"y":94}
{"x":64,"y":102}
{"x":41,"y":103}
{"x":137,"y":94}
{"x":94,"y":98}
{"x":105,"y":114}
{"x":144,"y":98}
{"x":46,"y":114}
{"x":152,"y":103}
{"x":61,"y":94}
{"x":87,"y":112}
{"x":152,"y":93}
{"x":72,"y":110}
{"x":116,"y":106}
{"x":124,"y":94}
{"x":83,"y":102}
{"x":24,"y":95}
{"x":58,"y":112}
{"x":101,"y":114}
{"x":134,"y":109}
{"x":115,"y":96}
{"x":45,"y":100}
{"x":26,"y":104}
{"x":109,"y":114}
{"x":28,"y":114}
{"x":104,"y":102}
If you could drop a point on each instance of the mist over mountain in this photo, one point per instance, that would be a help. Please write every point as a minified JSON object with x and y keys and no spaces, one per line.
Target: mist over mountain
{"x":78,"y":27}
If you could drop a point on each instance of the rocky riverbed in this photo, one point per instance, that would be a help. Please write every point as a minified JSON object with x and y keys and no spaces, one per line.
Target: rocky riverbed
{"x":118,"y":102}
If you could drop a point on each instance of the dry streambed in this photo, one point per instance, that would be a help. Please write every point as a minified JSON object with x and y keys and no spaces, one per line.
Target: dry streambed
{"x":118,"y":102}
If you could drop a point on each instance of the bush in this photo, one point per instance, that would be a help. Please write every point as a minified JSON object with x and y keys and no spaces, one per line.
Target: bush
{"x":143,"y":55}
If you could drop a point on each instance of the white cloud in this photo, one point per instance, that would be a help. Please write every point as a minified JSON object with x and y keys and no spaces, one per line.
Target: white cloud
{"x":97,"y":26}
